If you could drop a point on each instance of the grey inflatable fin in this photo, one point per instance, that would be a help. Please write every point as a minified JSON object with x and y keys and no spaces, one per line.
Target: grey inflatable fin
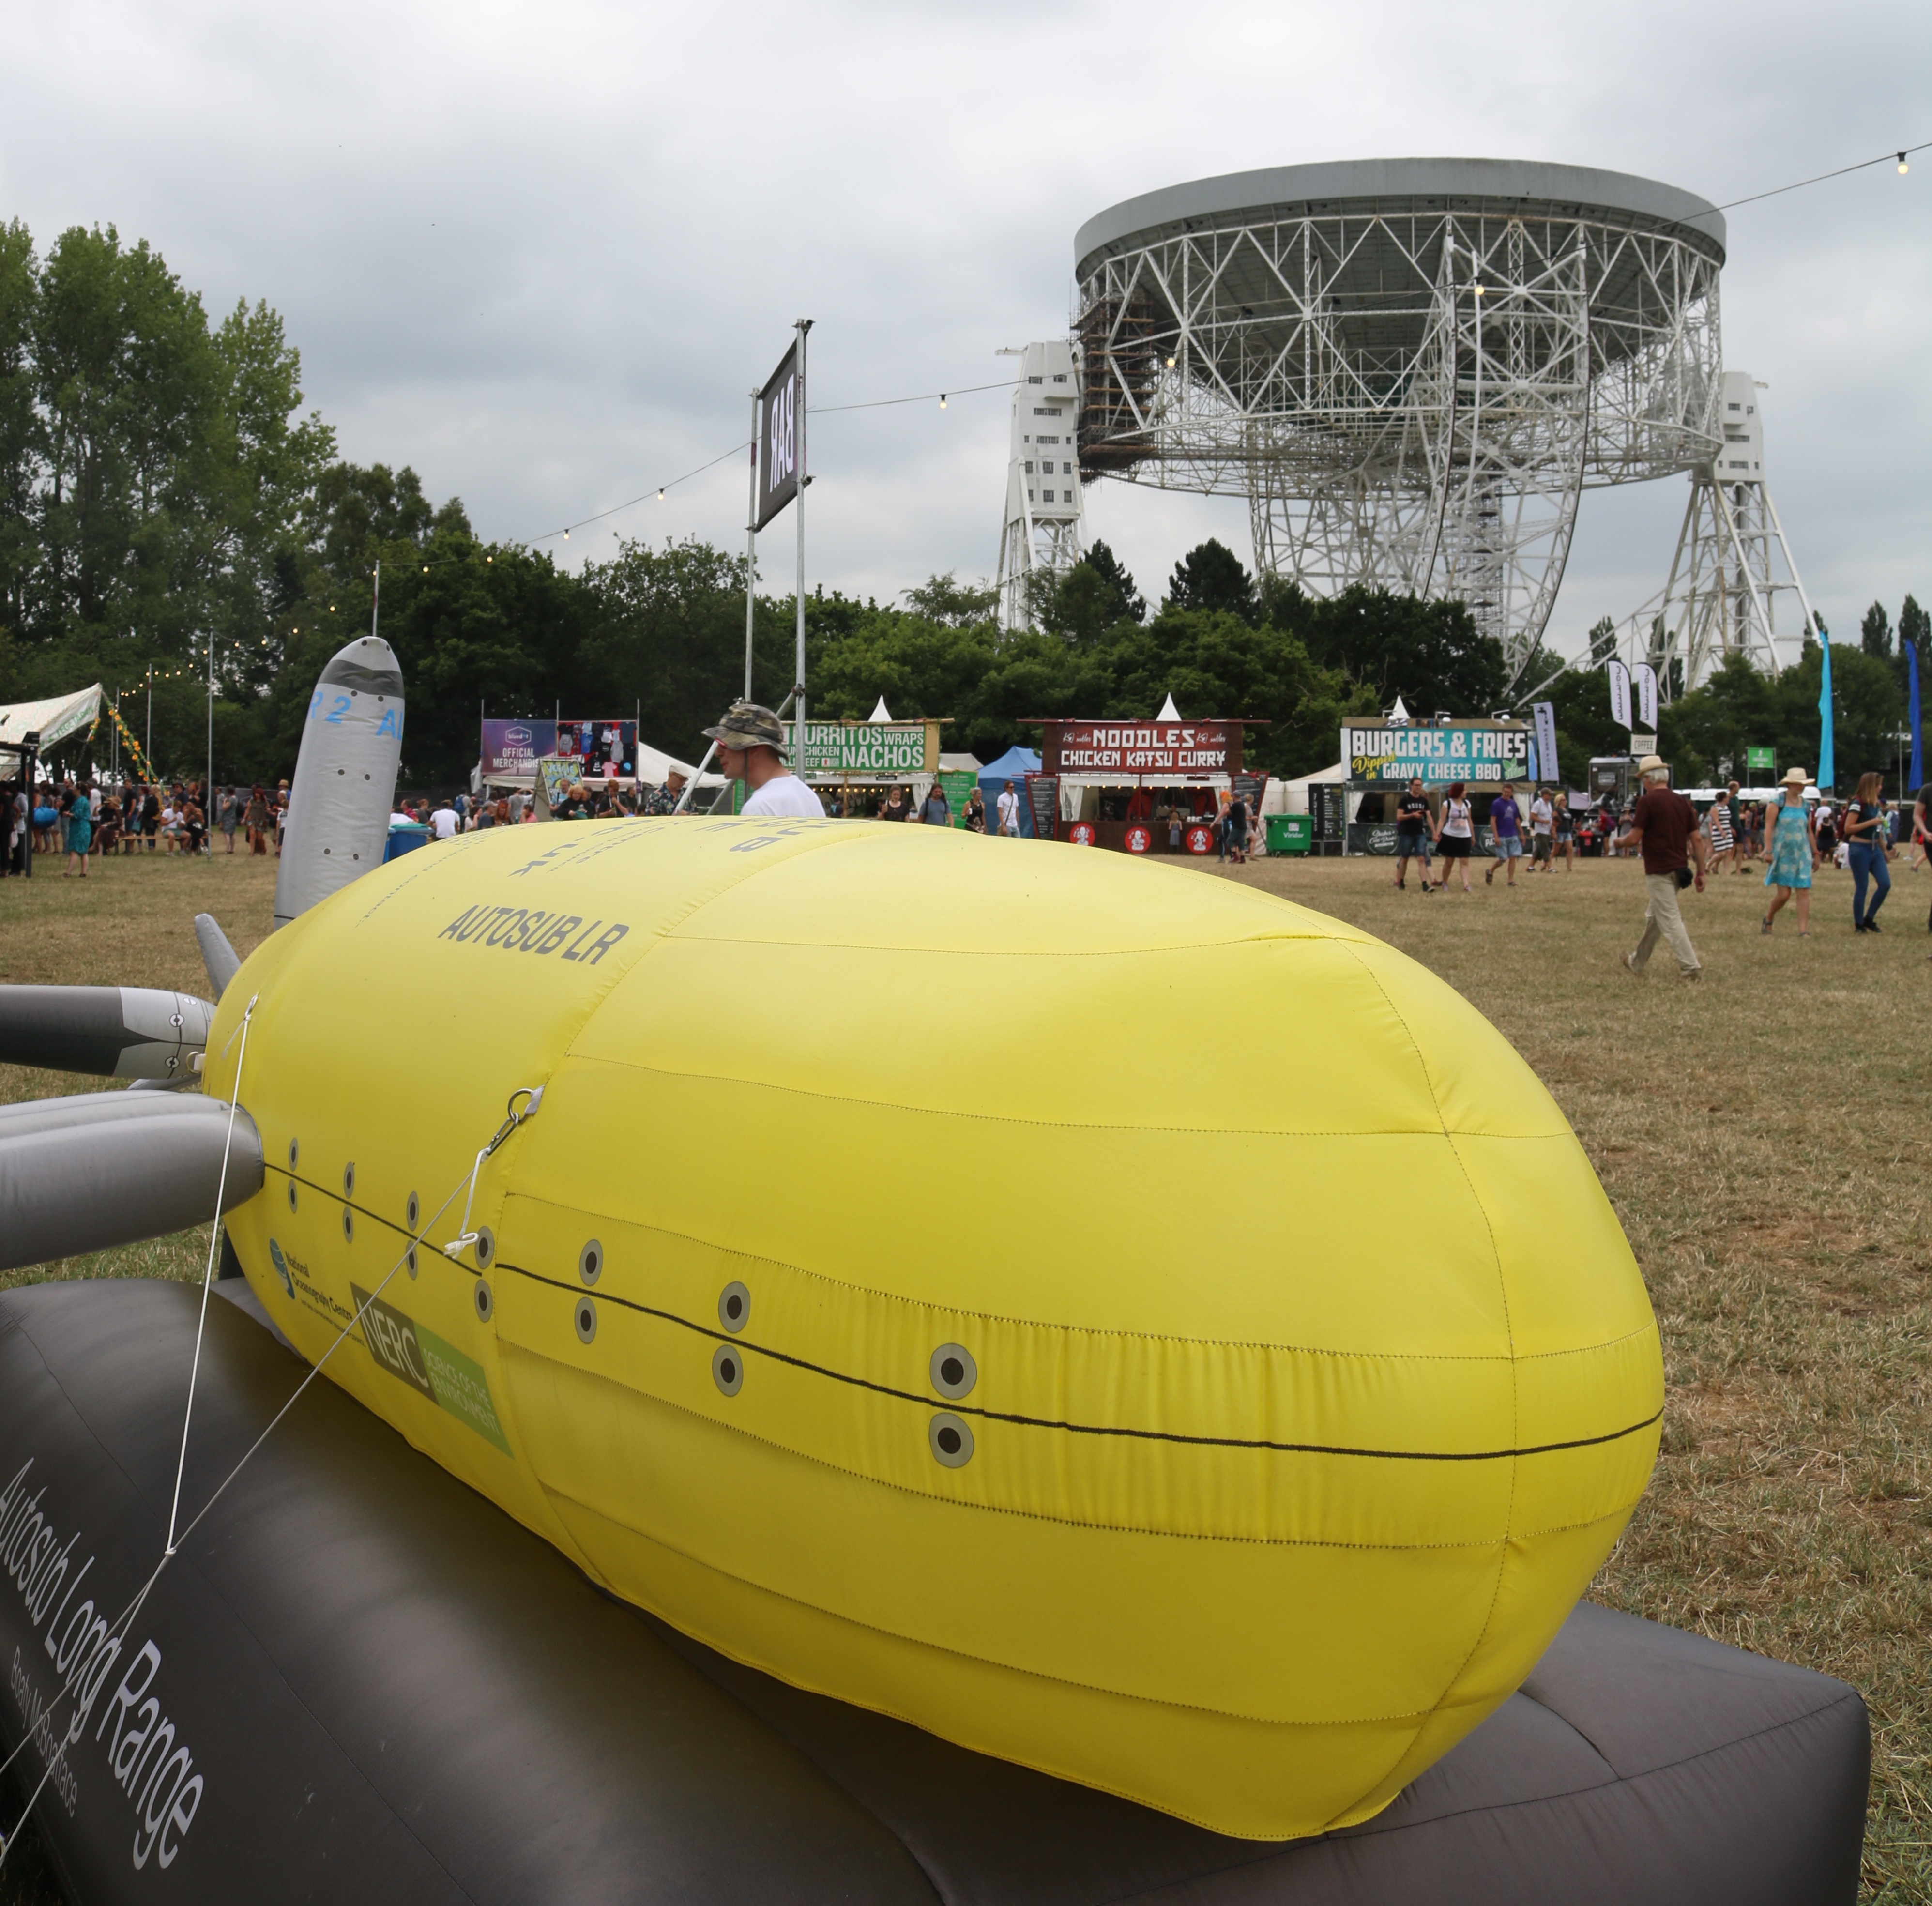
{"x":87,"y":1173}
{"x":115,"y":1032}
{"x":221,"y":959}
{"x":345,"y":784}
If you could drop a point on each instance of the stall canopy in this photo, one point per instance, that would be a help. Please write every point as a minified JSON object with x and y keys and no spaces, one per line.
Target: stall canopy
{"x":1015,"y":765}
{"x":54,"y":720}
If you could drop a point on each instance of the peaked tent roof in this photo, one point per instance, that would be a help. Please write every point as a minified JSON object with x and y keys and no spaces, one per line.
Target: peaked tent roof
{"x":54,"y":719}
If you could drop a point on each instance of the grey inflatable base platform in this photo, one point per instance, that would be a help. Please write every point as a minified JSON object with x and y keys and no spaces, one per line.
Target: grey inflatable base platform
{"x":388,"y":1691}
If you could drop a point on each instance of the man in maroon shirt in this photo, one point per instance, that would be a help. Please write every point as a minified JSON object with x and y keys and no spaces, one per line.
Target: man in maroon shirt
{"x":1665,"y":824}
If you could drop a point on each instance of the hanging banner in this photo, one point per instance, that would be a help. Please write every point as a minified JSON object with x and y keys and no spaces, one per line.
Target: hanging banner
{"x":1620,"y":693}
{"x":1141,"y":748}
{"x":1645,"y":676}
{"x":516,"y":747}
{"x":1542,"y":718}
{"x":1390,"y":756}
{"x":863,"y":747}
{"x":602,"y":748}
{"x":1827,"y":776}
{"x":781,"y":403}
{"x":1918,"y":752}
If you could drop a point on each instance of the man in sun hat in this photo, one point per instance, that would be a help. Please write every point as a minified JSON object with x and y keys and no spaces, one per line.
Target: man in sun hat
{"x":1665,"y":824}
{"x":751,"y":748}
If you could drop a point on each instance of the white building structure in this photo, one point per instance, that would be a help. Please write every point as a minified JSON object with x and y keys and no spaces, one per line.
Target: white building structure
{"x":1732,"y":562}
{"x":1042,"y":532}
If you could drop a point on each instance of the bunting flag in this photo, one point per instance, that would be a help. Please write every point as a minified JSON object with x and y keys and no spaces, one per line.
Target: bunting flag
{"x":1827,"y":775}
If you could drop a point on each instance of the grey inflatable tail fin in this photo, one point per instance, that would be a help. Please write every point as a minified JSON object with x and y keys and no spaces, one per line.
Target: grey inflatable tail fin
{"x":221,"y":959}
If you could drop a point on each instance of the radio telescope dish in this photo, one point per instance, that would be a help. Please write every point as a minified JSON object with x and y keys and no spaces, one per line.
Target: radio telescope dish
{"x":1412,"y":368}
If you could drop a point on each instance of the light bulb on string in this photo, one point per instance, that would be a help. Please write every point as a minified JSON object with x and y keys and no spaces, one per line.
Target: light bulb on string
{"x":566,"y":535}
{"x":660,"y":496}
{"x":1170,"y":364}
{"x":1903,"y":167}
{"x":942,"y":400}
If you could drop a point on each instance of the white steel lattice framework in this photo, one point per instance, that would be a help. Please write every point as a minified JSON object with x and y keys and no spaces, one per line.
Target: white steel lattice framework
{"x":1412,"y":368}
{"x":1732,"y":562}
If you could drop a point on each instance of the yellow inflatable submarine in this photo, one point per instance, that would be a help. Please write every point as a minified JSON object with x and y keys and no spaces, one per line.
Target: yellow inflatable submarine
{"x":1107,"y":1316}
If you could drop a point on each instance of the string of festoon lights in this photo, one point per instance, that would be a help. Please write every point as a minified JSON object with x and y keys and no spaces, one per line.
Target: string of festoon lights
{"x":1899,"y":157}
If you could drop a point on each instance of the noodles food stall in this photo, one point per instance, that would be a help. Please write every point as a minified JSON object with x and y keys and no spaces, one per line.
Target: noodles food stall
{"x":1140,"y":786}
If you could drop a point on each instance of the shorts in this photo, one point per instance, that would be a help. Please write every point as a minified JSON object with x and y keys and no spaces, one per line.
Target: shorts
{"x":1509,"y":847}
{"x":1453,"y":847}
{"x":1543,"y":847}
{"x":1412,"y":847}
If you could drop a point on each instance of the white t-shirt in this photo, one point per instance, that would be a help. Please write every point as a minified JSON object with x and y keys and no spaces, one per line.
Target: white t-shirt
{"x":1541,"y":815}
{"x":785,"y":794}
{"x":446,"y":823}
{"x":1009,"y":812}
{"x":399,"y":819}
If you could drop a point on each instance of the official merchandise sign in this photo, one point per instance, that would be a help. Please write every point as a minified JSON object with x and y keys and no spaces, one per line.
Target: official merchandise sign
{"x":1391,"y":757}
{"x":859,"y":748}
{"x":780,"y":407}
{"x":516,"y":747}
{"x":1134,"y":750}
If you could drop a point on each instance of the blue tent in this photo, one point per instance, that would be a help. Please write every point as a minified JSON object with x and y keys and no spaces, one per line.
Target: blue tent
{"x":1015,"y":765}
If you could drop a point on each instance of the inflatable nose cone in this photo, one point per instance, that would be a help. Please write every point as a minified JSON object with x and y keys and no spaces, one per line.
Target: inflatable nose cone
{"x":352,"y":747}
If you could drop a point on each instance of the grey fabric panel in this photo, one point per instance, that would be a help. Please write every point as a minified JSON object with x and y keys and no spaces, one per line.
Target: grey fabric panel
{"x":394,"y":1692}
{"x":345,"y":672}
{"x":143,"y":1165}
{"x":120,"y":1032}
{"x":221,"y":959}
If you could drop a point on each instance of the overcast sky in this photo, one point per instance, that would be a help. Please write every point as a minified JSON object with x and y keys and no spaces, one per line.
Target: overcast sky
{"x":543,"y":253}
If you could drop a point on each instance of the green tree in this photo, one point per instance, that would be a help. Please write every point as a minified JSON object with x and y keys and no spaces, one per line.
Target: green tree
{"x":1431,"y":654}
{"x":1875,"y":632}
{"x":22,"y":438}
{"x":942,"y":599}
{"x":1210,"y":577}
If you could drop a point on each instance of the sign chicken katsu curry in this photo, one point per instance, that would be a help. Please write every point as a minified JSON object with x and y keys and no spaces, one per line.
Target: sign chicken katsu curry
{"x":1135,"y":750}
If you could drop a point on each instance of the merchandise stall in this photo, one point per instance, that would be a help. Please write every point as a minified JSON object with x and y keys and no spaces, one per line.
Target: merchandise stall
{"x":1140,"y":786}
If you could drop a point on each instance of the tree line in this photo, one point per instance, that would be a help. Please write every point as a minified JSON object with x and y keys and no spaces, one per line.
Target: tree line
{"x":165,"y":501}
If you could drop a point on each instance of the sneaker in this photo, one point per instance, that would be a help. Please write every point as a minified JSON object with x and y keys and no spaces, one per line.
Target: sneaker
{"x":1490,"y":874}
{"x":1871,"y":926}
{"x":1624,"y":960}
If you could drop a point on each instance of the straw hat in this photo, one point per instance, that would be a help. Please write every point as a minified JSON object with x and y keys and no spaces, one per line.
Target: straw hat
{"x":1651,"y":764}
{"x":1795,"y":777}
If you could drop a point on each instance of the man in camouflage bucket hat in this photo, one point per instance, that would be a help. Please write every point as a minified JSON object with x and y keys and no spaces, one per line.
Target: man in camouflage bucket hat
{"x":750,"y":744}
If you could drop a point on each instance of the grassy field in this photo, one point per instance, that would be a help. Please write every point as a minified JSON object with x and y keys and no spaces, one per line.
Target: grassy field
{"x":1753,"y":1130}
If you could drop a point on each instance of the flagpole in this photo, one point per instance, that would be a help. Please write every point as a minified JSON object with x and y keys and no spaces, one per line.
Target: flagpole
{"x":751,"y":546}
{"x":798,"y":689}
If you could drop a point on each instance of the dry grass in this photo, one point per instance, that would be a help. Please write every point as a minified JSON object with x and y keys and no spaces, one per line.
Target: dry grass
{"x":1755,"y":1131}
{"x":1758,"y":1133}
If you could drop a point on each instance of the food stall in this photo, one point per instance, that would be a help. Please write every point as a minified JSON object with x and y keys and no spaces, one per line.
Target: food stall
{"x":1152,"y":787}
{"x":1486,"y":756}
{"x":854,"y":766}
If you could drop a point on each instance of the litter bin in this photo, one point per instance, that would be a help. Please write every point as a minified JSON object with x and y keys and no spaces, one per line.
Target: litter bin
{"x":403,"y":839}
{"x":1290,"y":833}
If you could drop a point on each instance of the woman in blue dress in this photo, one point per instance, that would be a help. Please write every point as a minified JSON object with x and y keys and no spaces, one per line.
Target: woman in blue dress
{"x":1791,"y":847}
{"x":80,"y":834}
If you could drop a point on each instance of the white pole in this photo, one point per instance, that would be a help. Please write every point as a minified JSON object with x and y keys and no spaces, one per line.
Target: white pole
{"x":798,"y":686}
{"x":149,"y":750}
{"x":375,"y":599}
{"x":207,"y":786}
{"x":751,"y":546}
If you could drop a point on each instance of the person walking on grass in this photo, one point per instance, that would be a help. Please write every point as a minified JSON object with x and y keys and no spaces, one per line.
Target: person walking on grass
{"x":80,"y":834}
{"x":1864,"y":822}
{"x":1455,"y":834}
{"x":1664,"y":825}
{"x":1921,"y":830}
{"x":1411,"y":831}
{"x":1565,"y":825}
{"x":1542,"y":823}
{"x":1506,"y":832}
{"x":1717,"y":828}
{"x":1791,"y":851}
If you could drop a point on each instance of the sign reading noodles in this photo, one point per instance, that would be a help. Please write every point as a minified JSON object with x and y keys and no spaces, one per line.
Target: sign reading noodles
{"x":1184,"y":749}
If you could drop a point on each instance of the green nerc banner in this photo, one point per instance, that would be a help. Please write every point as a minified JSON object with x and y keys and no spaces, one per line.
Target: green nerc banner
{"x":1461,"y":751}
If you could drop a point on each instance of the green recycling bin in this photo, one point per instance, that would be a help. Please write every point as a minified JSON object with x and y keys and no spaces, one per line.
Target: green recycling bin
{"x":1290,"y":833}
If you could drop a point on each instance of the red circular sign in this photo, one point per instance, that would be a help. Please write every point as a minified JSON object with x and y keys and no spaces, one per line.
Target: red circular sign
{"x":1200,"y":840}
{"x":1081,"y":833}
{"x":1139,"y":841}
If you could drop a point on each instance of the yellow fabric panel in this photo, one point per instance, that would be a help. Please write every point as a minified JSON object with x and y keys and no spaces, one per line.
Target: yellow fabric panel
{"x":1571,"y":1279}
{"x":875,"y":1424}
{"x":1118,"y":1611}
{"x":1136,"y":1137}
{"x":1250,"y":1778}
{"x":1237,"y":1238}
